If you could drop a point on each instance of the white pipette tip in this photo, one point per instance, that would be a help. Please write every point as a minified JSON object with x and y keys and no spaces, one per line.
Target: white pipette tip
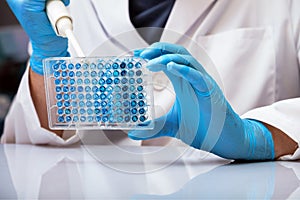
{"x":61,"y":22}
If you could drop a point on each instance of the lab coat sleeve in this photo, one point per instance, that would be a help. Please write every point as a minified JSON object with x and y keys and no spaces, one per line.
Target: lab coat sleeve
{"x":22,"y":123}
{"x":285,"y":114}
{"x":295,"y":16}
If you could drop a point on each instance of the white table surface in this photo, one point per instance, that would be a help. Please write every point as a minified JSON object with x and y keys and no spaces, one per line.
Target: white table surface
{"x":105,"y":172}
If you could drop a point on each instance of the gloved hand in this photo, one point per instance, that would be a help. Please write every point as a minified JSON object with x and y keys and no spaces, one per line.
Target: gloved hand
{"x":32,"y":16}
{"x":201,"y":116}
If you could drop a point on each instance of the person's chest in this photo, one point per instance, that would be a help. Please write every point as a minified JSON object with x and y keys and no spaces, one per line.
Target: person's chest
{"x":250,"y":42}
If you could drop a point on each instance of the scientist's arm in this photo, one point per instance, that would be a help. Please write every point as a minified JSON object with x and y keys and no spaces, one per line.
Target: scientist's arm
{"x":31,"y":15}
{"x":37,"y":89}
{"x":202,"y":117}
{"x":283,"y":144}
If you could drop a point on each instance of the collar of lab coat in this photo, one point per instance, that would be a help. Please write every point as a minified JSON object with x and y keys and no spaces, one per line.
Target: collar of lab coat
{"x":182,"y":9}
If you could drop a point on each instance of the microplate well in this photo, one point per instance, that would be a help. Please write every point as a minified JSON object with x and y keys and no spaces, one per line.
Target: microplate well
{"x":98,"y":93}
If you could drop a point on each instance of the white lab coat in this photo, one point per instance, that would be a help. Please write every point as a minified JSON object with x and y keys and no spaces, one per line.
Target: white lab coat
{"x":254,"y":44}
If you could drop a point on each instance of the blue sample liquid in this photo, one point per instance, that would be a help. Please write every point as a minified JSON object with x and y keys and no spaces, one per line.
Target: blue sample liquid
{"x":100,"y":92}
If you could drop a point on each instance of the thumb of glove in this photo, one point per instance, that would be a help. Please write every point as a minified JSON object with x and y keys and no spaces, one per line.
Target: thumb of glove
{"x":161,"y":128}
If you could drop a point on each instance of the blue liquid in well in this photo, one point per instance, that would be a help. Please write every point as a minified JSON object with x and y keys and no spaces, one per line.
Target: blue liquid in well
{"x":58,"y":89}
{"x":79,"y":81}
{"x":134,"y":118}
{"x":96,"y":96}
{"x":102,"y":89}
{"x":130,"y":65}
{"x":133,"y":103}
{"x":93,"y":66}
{"x":63,"y":66}
{"x":68,"y":118}
{"x":70,"y":66}
{"x":131,"y":80}
{"x":82,"y":118}
{"x":109,"y":81}
{"x":115,"y":66}
{"x":78,"y":66}
{"x":141,"y":103}
{"x":116,"y":73}
{"x":134,"y":111}
{"x":97,"y":111}
{"x":90,"y":118}
{"x":67,"y":111}
{"x":123,"y":65}
{"x":89,"y":104}
{"x":94,"y":81}
{"x":64,"y":81}
{"x":57,"y":74}
{"x":140,"y":88}
{"x":104,"y":118}
{"x":87,"y":81}
{"x":75,"y":119}
{"x":66,"y":97}
{"x":78,"y":73}
{"x":123,"y":73}
{"x":80,"y":96}
{"x":138,"y":72}
{"x":64,"y":74}
{"x":142,"y":111}
{"x":127,"y":118}
{"x":56,"y":66}
{"x":60,"y":111}
{"x":82,"y":111}
{"x":72,"y":81}
{"x":98,"y":118}
{"x":132,"y":96}
{"x":101,"y":94}
{"x":142,"y":118}
{"x":71,"y":74}
{"x":93,"y":74}
{"x":58,"y":96}
{"x":126,"y":103}
{"x":96,"y":104}
{"x":61,"y":119}
{"x":57,"y":81}
{"x":116,"y":80}
{"x":80,"y":89}
{"x":124,"y":80}
{"x":90,"y":111}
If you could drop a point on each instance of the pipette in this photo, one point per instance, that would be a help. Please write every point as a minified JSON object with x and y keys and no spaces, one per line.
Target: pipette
{"x":61,"y":22}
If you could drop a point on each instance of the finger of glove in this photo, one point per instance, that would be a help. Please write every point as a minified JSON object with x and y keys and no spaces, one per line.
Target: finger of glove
{"x":161,"y":48}
{"x":20,"y":8}
{"x":160,"y":63}
{"x":201,"y":82}
{"x":31,"y":15}
{"x":161,"y":128}
{"x":66,"y":2}
{"x":165,"y":59}
{"x":137,"y":52}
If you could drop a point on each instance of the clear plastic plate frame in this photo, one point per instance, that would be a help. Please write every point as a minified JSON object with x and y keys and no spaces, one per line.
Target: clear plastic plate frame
{"x":98,"y":93}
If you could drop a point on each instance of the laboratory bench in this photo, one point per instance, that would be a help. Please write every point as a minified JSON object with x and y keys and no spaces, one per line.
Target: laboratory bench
{"x":132,"y":172}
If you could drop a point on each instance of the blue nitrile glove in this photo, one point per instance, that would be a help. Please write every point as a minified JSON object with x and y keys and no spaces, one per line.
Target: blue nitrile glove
{"x":201,"y":116}
{"x":32,"y":16}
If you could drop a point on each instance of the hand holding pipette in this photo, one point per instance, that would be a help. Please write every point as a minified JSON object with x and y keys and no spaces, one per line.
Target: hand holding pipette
{"x":45,"y":43}
{"x":62,"y":23}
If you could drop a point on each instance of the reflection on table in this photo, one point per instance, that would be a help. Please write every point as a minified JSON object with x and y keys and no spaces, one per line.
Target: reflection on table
{"x":101,"y":172}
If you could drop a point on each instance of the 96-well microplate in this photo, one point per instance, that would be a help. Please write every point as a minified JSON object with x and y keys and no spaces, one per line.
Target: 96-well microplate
{"x":98,"y":93}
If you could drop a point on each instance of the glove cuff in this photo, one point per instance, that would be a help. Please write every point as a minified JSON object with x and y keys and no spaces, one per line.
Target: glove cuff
{"x":260,"y":141}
